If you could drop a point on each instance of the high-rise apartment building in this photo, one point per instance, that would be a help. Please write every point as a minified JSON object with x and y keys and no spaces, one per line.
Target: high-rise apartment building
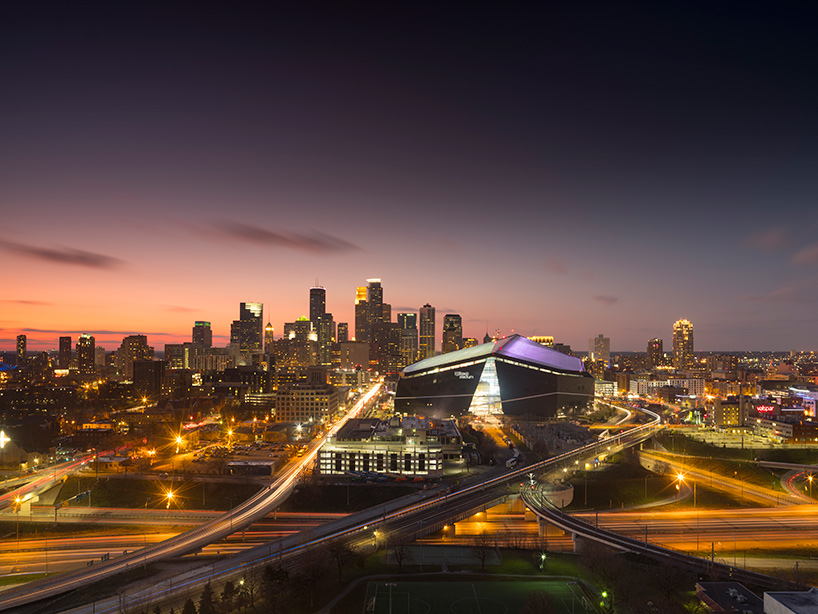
{"x":324,"y":329}
{"x":64,"y":357}
{"x":656,"y":353}
{"x":682,"y":344}
{"x":599,"y":349}
{"x":302,"y":343}
{"x":426,"y":345}
{"x":202,"y":334}
{"x":408,"y":324}
{"x":21,"y":349}
{"x":133,"y":347}
{"x":248,"y":331}
{"x":86,"y":354}
{"x":452,"y":333}
{"x":385,"y":350}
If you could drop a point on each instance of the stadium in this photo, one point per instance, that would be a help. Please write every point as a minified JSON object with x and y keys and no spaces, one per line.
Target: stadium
{"x":513,"y":376}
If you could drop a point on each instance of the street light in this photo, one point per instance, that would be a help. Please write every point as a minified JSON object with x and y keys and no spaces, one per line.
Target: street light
{"x":809,"y":477}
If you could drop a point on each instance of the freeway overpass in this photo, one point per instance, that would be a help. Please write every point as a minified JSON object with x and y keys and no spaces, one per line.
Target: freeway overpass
{"x":411,"y":517}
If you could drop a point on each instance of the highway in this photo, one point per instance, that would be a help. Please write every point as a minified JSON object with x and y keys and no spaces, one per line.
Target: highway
{"x":255,"y":508}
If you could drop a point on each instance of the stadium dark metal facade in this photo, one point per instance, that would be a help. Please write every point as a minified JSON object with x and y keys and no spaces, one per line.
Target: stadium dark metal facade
{"x":513,"y":376}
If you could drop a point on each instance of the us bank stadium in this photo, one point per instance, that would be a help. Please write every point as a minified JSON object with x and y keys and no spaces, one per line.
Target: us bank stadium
{"x":513,"y":376}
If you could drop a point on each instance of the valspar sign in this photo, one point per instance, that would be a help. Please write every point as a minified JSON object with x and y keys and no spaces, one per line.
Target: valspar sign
{"x":463,"y":375}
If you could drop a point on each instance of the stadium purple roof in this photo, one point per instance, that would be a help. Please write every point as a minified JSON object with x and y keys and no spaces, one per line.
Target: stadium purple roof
{"x":515,"y":347}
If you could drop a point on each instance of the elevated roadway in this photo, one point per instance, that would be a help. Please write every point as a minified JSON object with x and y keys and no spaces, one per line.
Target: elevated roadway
{"x":255,"y":508}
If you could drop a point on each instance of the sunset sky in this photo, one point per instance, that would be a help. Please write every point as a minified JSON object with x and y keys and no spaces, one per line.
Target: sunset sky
{"x":558,"y":168}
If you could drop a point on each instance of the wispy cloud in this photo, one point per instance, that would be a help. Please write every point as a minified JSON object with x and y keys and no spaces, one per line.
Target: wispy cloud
{"x":179,"y":309}
{"x":316,"y":242}
{"x":606,"y":299}
{"x":62,"y":255}
{"x":797,"y":293}
{"x":767,"y":239}
{"x":122,"y":333}
{"x":556,"y":266}
{"x":806,"y":255}
{"x":27,"y":302}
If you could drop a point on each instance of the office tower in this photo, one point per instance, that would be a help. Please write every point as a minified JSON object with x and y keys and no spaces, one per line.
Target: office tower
{"x":86,"y":354}
{"x":248,"y":331}
{"x":323,"y":328}
{"x":99,"y":356}
{"x":452,"y":333}
{"x":302,"y":343}
{"x":64,"y":359}
{"x":385,"y":350}
{"x":374,"y":302}
{"x":177,"y":356}
{"x":202,"y":334}
{"x":599,"y":349}
{"x":147,"y":377}
{"x":656,"y":354}
{"x":343,"y":332}
{"x":133,"y":347}
{"x":426,"y":328}
{"x":269,"y":338}
{"x":546,"y":340}
{"x":21,"y":349}
{"x":386,"y":312}
{"x":682,"y":344}
{"x":318,"y":303}
{"x":408,"y":323}
{"x":361,"y":315}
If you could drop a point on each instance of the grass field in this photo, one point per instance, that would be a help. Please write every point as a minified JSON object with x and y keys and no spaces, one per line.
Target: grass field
{"x":473,"y":596}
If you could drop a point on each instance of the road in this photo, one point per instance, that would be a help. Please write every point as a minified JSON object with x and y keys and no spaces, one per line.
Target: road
{"x":192,"y":540}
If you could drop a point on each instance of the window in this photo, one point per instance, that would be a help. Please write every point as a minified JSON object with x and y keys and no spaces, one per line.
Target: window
{"x":407,"y":462}
{"x":379,"y":462}
{"x":393,"y":462}
{"x":421,"y":462}
{"x":338,"y":462}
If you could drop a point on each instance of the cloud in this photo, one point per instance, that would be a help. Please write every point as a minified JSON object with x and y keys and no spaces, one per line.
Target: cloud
{"x":767,"y":240}
{"x":62,"y":255}
{"x":123,"y":333}
{"x":26,"y":302}
{"x":180,"y":309}
{"x":316,"y":243}
{"x":555,"y":266}
{"x":608,"y":300}
{"x":806,"y":255}
{"x":786,"y":294}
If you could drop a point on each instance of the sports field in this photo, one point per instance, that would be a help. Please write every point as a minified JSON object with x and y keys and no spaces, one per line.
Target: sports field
{"x":478,"y":597}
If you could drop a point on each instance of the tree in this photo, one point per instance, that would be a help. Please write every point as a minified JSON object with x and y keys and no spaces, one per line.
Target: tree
{"x":482,"y":546}
{"x":399,"y":544}
{"x":341,"y":552}
{"x":207,"y":604}
{"x":157,"y":610}
{"x":228,"y":595}
{"x":189,"y":608}
{"x":276,"y":583}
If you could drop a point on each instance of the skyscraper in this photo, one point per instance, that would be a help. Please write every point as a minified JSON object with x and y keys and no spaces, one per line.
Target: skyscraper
{"x":599,"y":349}
{"x":682,"y":344}
{"x":408,"y":323}
{"x":269,"y":338}
{"x":133,"y":348}
{"x":361,"y":315}
{"x":202,"y":334}
{"x":21,"y":349}
{"x":427,"y":332}
{"x":248,"y":331}
{"x":64,"y":358}
{"x":452,"y":333}
{"x":343,"y":332}
{"x":86,"y":354}
{"x":374,"y":301}
{"x":318,"y":303}
{"x":656,"y":353}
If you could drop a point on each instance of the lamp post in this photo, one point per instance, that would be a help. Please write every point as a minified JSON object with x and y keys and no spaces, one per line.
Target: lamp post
{"x":809,"y":477}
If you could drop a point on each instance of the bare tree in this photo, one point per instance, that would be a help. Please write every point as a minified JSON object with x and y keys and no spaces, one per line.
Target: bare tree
{"x":538,"y":602}
{"x":341,"y":552}
{"x":399,"y":544}
{"x":482,"y":545}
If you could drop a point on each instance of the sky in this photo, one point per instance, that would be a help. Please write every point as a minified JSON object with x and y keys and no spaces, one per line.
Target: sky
{"x":549,"y":168}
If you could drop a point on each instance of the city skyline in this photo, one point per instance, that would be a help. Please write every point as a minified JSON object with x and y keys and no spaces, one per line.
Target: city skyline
{"x":549,"y":170}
